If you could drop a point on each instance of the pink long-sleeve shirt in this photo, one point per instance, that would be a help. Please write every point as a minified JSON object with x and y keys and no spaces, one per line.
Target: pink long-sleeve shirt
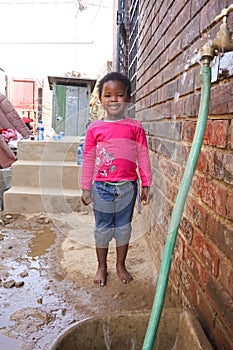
{"x":113,"y":152}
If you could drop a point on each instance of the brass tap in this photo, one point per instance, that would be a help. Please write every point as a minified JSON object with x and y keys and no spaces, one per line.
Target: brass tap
{"x":223,"y":41}
{"x":224,"y":14}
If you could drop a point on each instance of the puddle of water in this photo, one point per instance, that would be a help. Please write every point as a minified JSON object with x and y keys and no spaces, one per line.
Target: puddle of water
{"x":4,"y":321}
{"x":41,"y":242}
{"x":33,"y":264}
{"x":7,"y":343}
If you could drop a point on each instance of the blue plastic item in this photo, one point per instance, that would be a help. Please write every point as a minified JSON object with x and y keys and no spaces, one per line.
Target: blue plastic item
{"x":80,"y":154}
{"x":40,"y":131}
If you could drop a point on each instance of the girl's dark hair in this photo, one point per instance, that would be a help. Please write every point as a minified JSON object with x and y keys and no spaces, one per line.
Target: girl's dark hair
{"x":115,"y":76}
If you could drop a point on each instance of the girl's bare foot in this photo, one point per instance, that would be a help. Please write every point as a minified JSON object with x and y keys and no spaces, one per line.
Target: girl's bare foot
{"x":123,"y":274}
{"x":101,"y":276}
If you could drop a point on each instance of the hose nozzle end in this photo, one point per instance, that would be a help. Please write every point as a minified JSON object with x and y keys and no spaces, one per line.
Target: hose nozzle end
{"x":207,"y":53}
{"x":205,"y":60}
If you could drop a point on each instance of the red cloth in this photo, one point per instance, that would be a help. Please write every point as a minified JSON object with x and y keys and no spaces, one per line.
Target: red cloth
{"x":9,"y":135}
{"x":27,"y":120}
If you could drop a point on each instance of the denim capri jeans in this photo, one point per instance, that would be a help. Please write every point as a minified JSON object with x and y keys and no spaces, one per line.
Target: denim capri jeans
{"x":113,"y":209}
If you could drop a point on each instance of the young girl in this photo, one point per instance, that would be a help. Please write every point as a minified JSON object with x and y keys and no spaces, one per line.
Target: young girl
{"x":114,"y":149}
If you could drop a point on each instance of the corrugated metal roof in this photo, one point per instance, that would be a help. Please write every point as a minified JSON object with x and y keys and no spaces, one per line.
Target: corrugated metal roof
{"x":70,"y":81}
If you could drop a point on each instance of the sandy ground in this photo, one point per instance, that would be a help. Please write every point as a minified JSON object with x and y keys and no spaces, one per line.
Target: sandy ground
{"x":46,"y":284}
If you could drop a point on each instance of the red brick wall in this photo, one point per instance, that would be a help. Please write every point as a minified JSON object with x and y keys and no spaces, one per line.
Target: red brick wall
{"x":168,"y":97}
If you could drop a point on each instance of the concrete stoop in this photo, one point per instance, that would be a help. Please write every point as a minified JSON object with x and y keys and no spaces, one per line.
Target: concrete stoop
{"x":45,"y":178}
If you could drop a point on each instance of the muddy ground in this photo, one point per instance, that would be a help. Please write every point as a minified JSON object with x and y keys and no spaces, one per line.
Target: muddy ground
{"x":46,"y":283}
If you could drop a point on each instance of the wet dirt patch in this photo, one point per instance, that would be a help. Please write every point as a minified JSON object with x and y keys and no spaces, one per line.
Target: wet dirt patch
{"x":56,"y":274}
{"x":41,"y":242}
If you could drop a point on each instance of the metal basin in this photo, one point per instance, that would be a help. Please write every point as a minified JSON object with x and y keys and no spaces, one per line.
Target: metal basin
{"x":178,"y":330}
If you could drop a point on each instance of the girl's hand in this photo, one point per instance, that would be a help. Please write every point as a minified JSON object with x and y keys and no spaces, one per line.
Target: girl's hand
{"x":86,"y":197}
{"x":145,"y":195}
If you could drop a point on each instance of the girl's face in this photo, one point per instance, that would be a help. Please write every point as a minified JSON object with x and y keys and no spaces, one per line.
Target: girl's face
{"x":114,"y":98}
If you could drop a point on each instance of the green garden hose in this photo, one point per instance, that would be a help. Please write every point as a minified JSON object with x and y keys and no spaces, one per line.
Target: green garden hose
{"x":178,"y":210}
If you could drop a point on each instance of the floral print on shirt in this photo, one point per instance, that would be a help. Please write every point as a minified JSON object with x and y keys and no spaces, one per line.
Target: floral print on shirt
{"x":104,"y":161}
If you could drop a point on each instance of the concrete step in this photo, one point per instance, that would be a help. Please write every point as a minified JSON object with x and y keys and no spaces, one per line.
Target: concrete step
{"x":24,"y":200}
{"x":46,"y":174}
{"x":63,"y":150}
{"x":45,"y":178}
